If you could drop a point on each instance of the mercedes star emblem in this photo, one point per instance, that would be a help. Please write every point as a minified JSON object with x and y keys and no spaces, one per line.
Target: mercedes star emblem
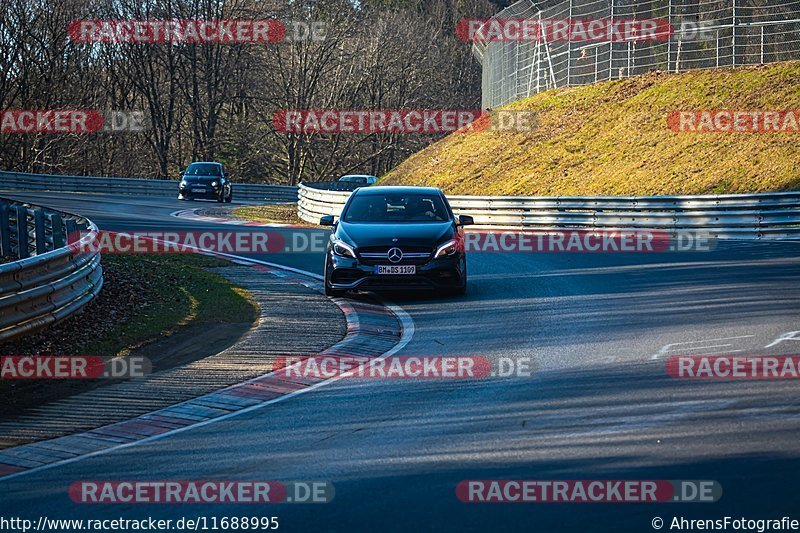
{"x":395,"y":255}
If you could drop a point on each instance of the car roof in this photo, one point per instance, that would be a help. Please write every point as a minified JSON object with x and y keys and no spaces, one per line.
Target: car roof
{"x":205,"y":163}
{"x":389,"y":189}
{"x":358,"y":176}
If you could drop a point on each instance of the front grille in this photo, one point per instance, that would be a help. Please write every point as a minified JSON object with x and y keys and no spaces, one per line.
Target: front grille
{"x":412,"y":255}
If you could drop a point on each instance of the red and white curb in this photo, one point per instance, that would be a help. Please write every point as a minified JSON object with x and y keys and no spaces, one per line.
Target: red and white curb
{"x":192,"y":214}
{"x":376,"y":330}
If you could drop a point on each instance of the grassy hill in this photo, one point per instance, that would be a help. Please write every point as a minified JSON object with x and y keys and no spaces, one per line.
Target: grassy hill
{"x":613,"y":139}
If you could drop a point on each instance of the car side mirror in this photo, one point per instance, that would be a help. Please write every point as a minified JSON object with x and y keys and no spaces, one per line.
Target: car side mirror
{"x":327,"y":220}
{"x":465,"y":220}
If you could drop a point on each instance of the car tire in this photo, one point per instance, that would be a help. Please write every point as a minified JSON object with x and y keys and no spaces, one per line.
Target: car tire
{"x":333,"y":293}
{"x":229,"y":199}
{"x":457,"y":291}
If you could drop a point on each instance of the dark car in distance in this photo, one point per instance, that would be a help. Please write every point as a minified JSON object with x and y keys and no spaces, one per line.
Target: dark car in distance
{"x":361,"y":179}
{"x":396,"y":238}
{"x":205,"y":181}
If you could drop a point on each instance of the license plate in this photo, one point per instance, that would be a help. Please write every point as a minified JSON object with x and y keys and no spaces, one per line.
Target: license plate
{"x":395,"y":269}
{"x":198,"y":190}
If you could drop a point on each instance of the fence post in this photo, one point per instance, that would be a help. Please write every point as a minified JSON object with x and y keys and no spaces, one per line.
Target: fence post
{"x":628,"y":68}
{"x":39,"y":231}
{"x":762,"y":45}
{"x":733,"y":55}
{"x":669,"y":40}
{"x":5,"y":230}
{"x":538,"y":57}
{"x":72,"y":231}
{"x":569,"y":49}
{"x":596,"y":63}
{"x":611,"y":46}
{"x":22,"y":232}
{"x":57,"y":228}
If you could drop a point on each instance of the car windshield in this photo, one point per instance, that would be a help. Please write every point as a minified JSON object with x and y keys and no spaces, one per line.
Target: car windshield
{"x":401,"y":207}
{"x":203,"y":169}
{"x":354,"y":179}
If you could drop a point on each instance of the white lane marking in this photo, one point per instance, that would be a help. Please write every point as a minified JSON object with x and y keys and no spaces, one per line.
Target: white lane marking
{"x":790,"y":336}
{"x":616,"y":420}
{"x":669,"y":347}
{"x":192,"y":214}
{"x":725,"y":352}
{"x":408,"y":333}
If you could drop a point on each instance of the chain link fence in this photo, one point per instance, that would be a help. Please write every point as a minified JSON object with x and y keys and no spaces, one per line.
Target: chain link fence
{"x":704,"y":34}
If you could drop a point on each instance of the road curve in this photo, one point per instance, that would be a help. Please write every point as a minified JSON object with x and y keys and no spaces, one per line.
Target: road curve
{"x":597,"y":328}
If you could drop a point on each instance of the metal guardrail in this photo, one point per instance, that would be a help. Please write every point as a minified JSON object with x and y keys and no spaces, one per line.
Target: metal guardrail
{"x":145,"y":187}
{"x":46,"y":280}
{"x":742,"y":216}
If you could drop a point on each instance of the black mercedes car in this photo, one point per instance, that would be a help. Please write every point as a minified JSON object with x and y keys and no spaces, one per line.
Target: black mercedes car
{"x":208,"y":181}
{"x":396,"y":238}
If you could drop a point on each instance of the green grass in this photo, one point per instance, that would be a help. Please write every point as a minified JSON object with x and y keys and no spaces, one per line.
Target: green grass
{"x":273,"y":213}
{"x":612,"y":139}
{"x":179,"y":290}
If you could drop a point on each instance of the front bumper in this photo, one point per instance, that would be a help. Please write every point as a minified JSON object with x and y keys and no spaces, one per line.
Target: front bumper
{"x":207,"y":194}
{"x":345,"y":273}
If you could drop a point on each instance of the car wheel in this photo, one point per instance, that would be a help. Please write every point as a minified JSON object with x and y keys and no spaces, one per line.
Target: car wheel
{"x":229,"y":199}
{"x":457,"y":291}
{"x":333,"y":293}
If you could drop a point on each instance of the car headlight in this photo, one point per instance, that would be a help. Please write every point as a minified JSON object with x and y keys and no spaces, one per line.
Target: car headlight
{"x":343,"y":249}
{"x":183,"y":184}
{"x":447,"y":249}
{"x":215,"y":184}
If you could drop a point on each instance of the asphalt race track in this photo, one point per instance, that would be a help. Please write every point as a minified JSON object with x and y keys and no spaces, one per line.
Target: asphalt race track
{"x":599,"y":405}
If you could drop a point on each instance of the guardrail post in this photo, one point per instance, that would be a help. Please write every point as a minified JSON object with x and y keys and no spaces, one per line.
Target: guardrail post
{"x":5,"y":230}
{"x":22,"y":232}
{"x":57,"y":226}
{"x":40,"y":234}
